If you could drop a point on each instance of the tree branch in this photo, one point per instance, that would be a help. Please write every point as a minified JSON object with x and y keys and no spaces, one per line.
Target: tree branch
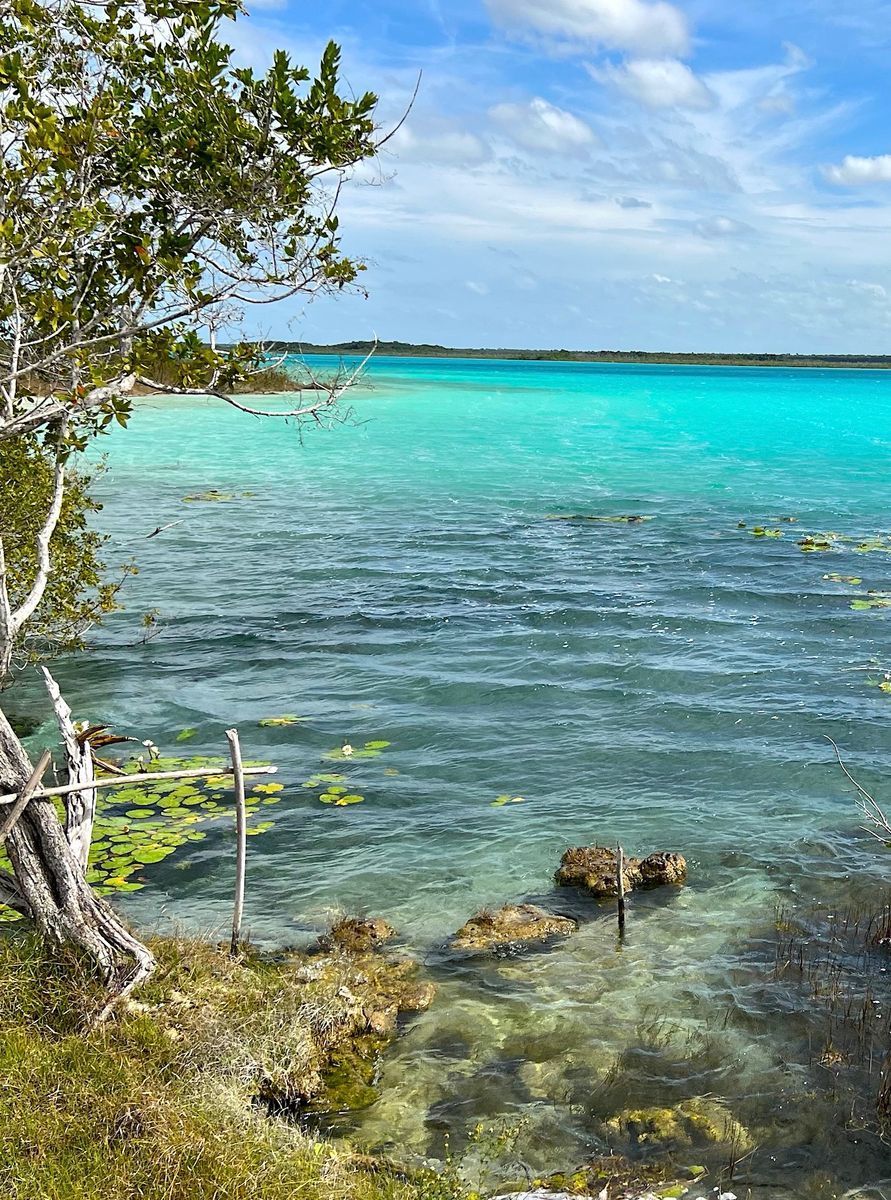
{"x":31,"y":601}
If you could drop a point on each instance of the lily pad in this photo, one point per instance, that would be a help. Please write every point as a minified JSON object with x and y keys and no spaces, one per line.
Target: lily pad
{"x":139,"y":814}
{"x":186,"y":735}
{"x":863,"y":605}
{"x":760,"y":532}
{"x":500,"y":801}
{"x":280,"y":722}
{"x":269,"y":788}
{"x":853,"y":580}
{"x":377,"y":745}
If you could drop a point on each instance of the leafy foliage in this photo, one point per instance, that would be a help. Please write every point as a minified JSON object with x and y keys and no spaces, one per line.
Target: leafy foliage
{"x":78,"y":593}
{"x":148,"y":181}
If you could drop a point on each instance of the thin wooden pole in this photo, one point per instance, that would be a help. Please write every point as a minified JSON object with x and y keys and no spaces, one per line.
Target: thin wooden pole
{"x":24,"y":796}
{"x":620,"y":882}
{"x":240,"y":837}
{"x":141,"y":777}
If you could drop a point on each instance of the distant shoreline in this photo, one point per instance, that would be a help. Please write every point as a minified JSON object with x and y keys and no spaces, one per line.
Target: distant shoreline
{"x":863,"y":362}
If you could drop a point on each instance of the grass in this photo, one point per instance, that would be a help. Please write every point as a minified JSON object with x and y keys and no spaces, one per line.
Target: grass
{"x":161,"y":1104}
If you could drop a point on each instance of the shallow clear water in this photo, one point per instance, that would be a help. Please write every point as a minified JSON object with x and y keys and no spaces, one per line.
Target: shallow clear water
{"x":668,"y":684}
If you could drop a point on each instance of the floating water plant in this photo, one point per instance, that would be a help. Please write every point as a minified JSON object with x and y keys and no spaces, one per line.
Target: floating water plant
{"x":872,"y":600}
{"x":760,"y":532}
{"x":633,"y":519}
{"x":186,"y":735}
{"x":280,"y":722}
{"x":340,"y":798}
{"x":369,"y":750}
{"x":817,"y":543}
{"x":870,"y":545}
{"x":214,"y":494}
{"x":144,"y":821}
{"x":853,"y":580}
{"x":505,"y":798}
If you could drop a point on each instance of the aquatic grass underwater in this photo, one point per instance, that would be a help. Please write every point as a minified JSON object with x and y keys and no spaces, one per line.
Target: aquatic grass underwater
{"x":404,"y":584}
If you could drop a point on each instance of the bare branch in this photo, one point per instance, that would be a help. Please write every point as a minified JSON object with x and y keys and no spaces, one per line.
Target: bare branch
{"x":41,"y":579}
{"x":80,"y":807}
{"x":879,"y":826}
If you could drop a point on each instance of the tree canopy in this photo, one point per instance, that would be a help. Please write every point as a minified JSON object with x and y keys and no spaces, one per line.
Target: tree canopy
{"x":148,"y":185}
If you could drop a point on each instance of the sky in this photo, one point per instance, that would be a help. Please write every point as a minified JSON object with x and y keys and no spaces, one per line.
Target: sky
{"x":704,"y":175}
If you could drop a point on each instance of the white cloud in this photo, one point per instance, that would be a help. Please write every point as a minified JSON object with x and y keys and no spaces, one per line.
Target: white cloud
{"x":632,"y":202}
{"x":855,"y":172}
{"x":721,"y":227}
{"x":875,"y":290}
{"x":543,"y":127}
{"x":480,"y":289}
{"x":642,"y":27}
{"x":439,"y":143}
{"x":657,"y":83}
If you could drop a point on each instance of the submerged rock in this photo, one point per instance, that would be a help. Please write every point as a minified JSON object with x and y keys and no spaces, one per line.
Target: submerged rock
{"x":594,"y":869}
{"x":693,"y":1124}
{"x":357,"y":935}
{"x":512,"y":925}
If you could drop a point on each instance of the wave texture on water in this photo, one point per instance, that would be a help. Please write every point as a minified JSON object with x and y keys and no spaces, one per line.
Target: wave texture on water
{"x":666,"y":684}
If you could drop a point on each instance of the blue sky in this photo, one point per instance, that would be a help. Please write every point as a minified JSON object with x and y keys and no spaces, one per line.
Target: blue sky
{"x":611,"y":174}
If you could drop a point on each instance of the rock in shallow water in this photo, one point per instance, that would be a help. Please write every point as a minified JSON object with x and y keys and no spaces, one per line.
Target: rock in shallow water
{"x":515,"y":924}
{"x":357,"y":935}
{"x":594,"y":869}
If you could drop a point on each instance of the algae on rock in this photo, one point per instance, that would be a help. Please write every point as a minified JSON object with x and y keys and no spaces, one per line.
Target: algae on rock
{"x":693,"y":1124}
{"x":512,"y":925}
{"x":595,"y":870}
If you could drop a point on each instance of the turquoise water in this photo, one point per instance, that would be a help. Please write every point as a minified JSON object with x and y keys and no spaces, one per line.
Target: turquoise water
{"x":669,"y":684}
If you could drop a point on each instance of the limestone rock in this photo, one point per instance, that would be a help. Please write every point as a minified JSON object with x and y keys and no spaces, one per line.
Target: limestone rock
{"x":662,"y":868}
{"x":357,"y":935}
{"x":515,"y":924}
{"x":594,"y":869}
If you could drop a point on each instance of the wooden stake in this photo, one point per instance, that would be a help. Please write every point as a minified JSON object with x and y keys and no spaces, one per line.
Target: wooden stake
{"x":240,"y":837}
{"x":24,"y":796}
{"x":620,"y":881}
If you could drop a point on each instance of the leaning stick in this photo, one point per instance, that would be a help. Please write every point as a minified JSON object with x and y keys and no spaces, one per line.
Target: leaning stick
{"x":620,"y":882}
{"x":240,"y":837}
{"x":141,"y":777}
{"x":25,"y":796}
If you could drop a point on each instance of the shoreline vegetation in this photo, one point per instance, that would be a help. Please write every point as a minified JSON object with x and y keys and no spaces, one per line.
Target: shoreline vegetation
{"x":863,"y":362}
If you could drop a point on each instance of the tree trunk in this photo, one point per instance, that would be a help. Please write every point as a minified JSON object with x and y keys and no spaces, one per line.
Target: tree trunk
{"x":52,"y":887}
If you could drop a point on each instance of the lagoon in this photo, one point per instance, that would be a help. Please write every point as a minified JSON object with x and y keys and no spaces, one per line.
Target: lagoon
{"x":667,"y":684}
